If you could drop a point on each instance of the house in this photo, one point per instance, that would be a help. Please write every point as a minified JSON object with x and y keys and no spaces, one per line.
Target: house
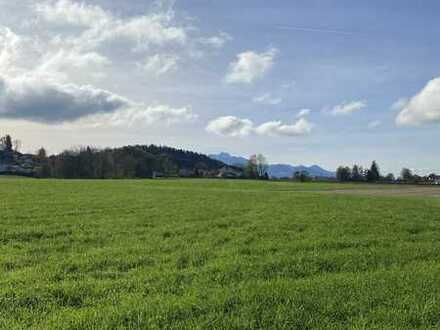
{"x":230,"y":172}
{"x":186,"y":173}
{"x":12,"y":162}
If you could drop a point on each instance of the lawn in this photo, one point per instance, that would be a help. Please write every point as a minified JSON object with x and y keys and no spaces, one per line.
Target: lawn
{"x":216,"y":254}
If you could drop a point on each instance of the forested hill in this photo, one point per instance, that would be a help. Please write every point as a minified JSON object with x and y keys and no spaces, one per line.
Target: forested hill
{"x":140,"y":161}
{"x":183,"y":159}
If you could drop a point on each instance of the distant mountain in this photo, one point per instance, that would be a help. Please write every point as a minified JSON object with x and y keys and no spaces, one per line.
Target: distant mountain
{"x":229,"y":159}
{"x":286,"y":171}
{"x":276,"y":170}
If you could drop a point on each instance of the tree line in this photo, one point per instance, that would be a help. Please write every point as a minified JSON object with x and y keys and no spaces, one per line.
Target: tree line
{"x":140,"y":161}
{"x":359,"y":174}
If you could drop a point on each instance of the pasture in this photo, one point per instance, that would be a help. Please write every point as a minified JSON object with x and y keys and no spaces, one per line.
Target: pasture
{"x":218,"y":254}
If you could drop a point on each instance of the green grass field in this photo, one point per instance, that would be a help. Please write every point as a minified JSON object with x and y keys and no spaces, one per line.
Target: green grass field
{"x":217,"y":254}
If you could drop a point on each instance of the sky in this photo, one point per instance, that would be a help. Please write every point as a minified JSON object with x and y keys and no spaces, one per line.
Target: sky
{"x":327,"y":82}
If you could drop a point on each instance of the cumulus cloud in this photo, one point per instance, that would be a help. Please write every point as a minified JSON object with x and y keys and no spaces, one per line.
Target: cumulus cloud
{"x":423,"y":108}
{"x":303,"y":113}
{"x":267,"y":99}
{"x":277,"y":128}
{"x":9,"y":45}
{"x":15,"y":52}
{"x":251,"y":66}
{"x":63,"y":59}
{"x":30,"y":98}
{"x":64,"y":12}
{"x":159,"y":65}
{"x":65,"y":64}
{"x":230,"y":126}
{"x":347,"y":108}
{"x":101,"y":26}
{"x":234,"y":126}
{"x":46,"y":75}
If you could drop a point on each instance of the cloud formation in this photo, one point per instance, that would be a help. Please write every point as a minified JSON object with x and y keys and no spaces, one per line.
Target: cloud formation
{"x":303,"y":113}
{"x":101,"y":26}
{"x":30,"y":98}
{"x":347,"y":108}
{"x":64,"y":12}
{"x":230,"y":126}
{"x":140,"y":115}
{"x":267,"y":99}
{"x":277,"y":128}
{"x":234,"y":126}
{"x":251,"y":66}
{"x":159,"y":64}
{"x":217,"y":41}
{"x":423,"y":108}
{"x":50,"y":74}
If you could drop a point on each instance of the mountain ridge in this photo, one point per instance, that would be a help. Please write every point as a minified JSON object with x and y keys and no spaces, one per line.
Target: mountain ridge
{"x":277,"y":170}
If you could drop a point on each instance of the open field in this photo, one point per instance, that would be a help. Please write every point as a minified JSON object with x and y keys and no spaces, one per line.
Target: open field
{"x":218,"y":254}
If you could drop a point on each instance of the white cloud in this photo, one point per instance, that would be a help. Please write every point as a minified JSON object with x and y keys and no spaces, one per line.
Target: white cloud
{"x":267,"y":99}
{"x":16,"y":52}
{"x":160,"y":64}
{"x":250,"y":66}
{"x":101,"y":26}
{"x":68,"y":63}
{"x":9,"y":44}
{"x":145,"y":30}
{"x":230,"y":126}
{"x":140,"y":115}
{"x":66,"y":12}
{"x":423,"y":108}
{"x":347,"y":108}
{"x":217,"y":41}
{"x":277,"y":128}
{"x":374,"y":124}
{"x":63,"y":59}
{"x":234,"y":127}
{"x":303,"y":113}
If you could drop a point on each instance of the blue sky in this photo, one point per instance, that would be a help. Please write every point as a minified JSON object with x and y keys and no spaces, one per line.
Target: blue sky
{"x":227,"y":76}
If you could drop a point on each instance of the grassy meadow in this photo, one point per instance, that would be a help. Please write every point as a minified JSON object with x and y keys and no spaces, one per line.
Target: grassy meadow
{"x":212,"y":254}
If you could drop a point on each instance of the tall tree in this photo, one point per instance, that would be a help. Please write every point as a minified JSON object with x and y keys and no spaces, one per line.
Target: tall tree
{"x":373,"y":174}
{"x":261,"y":166}
{"x":343,"y":174}
{"x":6,"y":142}
{"x":407,"y":175}
{"x":251,"y":171}
{"x":356,"y":173}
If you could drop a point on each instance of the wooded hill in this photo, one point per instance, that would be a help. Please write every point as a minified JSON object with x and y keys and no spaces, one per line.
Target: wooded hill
{"x":140,"y":161}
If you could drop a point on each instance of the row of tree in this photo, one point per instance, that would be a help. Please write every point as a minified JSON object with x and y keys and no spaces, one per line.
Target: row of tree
{"x":126,"y":162}
{"x":359,"y":174}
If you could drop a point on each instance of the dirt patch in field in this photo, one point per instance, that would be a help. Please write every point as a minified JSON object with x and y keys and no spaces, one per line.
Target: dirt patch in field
{"x":429,"y":191}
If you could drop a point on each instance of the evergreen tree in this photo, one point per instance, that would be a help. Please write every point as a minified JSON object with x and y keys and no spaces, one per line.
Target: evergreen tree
{"x":356,"y":173}
{"x":373,"y":174}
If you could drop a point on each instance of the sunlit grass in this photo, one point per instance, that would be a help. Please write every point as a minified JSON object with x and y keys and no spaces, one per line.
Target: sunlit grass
{"x":215,"y":254}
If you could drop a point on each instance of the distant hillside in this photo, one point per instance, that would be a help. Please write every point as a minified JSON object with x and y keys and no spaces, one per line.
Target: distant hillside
{"x":139,"y":161}
{"x":276,"y":170}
